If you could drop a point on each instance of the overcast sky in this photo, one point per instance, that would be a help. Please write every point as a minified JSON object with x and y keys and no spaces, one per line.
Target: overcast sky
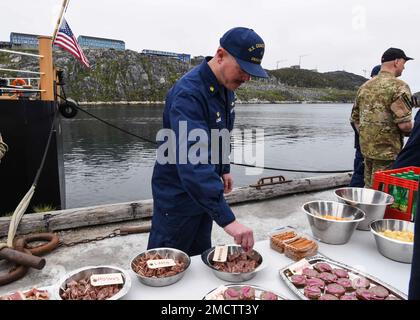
{"x":329,"y":35}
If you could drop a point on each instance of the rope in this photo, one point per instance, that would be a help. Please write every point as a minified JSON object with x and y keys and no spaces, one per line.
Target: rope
{"x":3,"y":148}
{"x":234,"y":163}
{"x":24,"y":203}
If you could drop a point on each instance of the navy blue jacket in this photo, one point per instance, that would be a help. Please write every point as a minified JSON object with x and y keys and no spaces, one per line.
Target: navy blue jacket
{"x":410,"y":154}
{"x":191,"y":189}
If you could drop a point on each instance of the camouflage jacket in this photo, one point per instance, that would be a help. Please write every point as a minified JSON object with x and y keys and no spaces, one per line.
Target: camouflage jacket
{"x":379,"y":107}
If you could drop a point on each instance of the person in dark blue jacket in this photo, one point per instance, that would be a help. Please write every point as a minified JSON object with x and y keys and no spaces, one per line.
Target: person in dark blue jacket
{"x":358,"y":177}
{"x":192,"y":170}
{"x":410,"y":153}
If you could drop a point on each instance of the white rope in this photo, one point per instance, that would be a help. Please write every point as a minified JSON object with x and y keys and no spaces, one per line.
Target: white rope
{"x":3,"y":148}
{"x":22,"y":53}
{"x":17,"y":215}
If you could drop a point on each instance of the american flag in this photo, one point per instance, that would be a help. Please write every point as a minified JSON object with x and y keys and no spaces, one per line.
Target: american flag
{"x":66,"y":40}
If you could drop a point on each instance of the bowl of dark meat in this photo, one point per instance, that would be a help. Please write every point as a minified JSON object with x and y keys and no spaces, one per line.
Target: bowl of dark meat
{"x":150,"y":272}
{"x":240,"y":265}
{"x":79,"y":284}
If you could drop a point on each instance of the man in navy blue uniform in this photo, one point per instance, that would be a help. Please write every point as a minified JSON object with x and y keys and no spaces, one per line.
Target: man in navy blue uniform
{"x":410,"y":153}
{"x":188,"y":195}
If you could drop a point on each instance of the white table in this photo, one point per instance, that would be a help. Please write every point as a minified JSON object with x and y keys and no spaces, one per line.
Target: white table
{"x":360,"y":253}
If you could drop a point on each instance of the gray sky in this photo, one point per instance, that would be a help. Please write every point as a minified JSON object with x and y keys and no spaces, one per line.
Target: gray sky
{"x":333,"y":35}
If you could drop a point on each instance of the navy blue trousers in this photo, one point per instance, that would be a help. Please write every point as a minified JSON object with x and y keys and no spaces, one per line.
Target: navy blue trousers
{"x":189,"y":233}
{"x":358,"y":178}
{"x":414,"y":287}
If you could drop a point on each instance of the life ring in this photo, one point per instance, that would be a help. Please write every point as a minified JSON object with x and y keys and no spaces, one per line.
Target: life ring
{"x":18,"y":82}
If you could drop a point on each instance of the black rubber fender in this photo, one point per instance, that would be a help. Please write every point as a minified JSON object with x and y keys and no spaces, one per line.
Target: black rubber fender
{"x":68,"y":108}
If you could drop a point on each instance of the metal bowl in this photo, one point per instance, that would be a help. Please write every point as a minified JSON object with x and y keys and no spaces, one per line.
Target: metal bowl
{"x":332,"y":231}
{"x":391,"y":248}
{"x":86,"y":272}
{"x":168,"y":253}
{"x":372,"y":202}
{"x":207,"y":257}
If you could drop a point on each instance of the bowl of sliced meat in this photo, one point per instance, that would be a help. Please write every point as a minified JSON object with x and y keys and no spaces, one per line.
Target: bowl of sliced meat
{"x":160,"y":267}
{"x":238,"y":266}
{"x":94,"y":283}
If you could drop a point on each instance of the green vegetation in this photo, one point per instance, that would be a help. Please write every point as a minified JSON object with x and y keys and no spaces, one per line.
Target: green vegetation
{"x":43,"y":208}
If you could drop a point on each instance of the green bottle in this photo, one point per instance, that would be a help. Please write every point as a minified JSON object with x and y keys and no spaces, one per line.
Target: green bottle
{"x":392,"y":190}
{"x":403,"y":195}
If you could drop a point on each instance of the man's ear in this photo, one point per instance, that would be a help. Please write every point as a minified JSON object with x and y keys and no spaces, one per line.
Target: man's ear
{"x":220,"y":54}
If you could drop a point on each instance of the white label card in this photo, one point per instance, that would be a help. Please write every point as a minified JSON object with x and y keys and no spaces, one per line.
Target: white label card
{"x":106,"y":279}
{"x":220,"y":254}
{"x":160,"y":263}
{"x":299,"y":266}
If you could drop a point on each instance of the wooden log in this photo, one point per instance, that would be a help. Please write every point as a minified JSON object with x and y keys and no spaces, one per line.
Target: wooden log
{"x":97,"y":215}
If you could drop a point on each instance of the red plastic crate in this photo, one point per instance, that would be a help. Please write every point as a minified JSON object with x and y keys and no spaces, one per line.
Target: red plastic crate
{"x":383,"y":179}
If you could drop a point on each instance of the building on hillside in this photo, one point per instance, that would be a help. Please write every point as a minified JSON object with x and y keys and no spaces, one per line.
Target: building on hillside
{"x":295,"y":67}
{"x":100,"y":43}
{"x":5,"y":44}
{"x":180,"y":56}
{"x":23,"y":40}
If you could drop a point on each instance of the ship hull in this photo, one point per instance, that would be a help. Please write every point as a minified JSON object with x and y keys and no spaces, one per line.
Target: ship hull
{"x":25,"y":126}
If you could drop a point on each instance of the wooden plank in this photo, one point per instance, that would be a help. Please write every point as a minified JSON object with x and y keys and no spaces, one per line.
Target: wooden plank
{"x":98,"y":215}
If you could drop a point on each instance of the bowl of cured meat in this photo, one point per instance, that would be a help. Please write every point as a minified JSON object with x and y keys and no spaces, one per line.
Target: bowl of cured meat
{"x":160,"y":267}
{"x":239,"y":265}
{"x":82,"y":284}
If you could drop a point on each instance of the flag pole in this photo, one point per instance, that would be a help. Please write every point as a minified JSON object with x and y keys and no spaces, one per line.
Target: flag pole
{"x":60,"y":17}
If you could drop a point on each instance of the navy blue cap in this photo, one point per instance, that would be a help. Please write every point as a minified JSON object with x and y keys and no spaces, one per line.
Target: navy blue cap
{"x":375,"y":70}
{"x":247,"y":47}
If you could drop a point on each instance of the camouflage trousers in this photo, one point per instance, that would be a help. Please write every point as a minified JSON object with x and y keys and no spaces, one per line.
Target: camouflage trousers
{"x":373,"y":165}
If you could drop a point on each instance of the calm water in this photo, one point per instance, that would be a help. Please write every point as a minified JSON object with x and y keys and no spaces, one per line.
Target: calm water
{"x":103,"y":165}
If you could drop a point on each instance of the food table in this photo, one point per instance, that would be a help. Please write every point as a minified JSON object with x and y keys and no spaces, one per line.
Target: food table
{"x":360,"y":253}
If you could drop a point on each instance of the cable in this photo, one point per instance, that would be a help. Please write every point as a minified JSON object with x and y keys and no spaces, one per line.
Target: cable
{"x":234,"y":163}
{"x":290,"y":170}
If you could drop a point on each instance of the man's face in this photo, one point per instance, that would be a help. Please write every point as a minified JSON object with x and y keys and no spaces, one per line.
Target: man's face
{"x":399,"y":66}
{"x":231,"y":73}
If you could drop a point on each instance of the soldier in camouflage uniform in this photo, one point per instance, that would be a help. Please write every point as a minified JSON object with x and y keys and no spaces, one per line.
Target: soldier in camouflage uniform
{"x":382,"y":114}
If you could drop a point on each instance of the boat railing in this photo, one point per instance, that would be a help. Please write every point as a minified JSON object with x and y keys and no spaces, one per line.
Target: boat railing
{"x":45,"y":83}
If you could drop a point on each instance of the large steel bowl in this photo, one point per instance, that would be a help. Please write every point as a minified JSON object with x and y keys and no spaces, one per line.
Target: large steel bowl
{"x":167,"y":253}
{"x":207,"y":257}
{"x":391,"y":248}
{"x":328,"y":230}
{"x":86,"y":272}
{"x":372,"y":202}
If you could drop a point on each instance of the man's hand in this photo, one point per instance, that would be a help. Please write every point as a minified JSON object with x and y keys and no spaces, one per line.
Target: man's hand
{"x":227,"y":182}
{"x":242,"y":235}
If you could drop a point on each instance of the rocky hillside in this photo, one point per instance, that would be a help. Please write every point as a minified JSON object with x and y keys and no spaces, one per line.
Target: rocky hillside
{"x":132,"y":76}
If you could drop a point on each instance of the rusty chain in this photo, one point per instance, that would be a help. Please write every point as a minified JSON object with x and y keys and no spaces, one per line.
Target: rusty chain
{"x":113,"y":234}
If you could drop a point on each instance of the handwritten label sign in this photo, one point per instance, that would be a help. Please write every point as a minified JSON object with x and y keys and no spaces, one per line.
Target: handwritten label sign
{"x":106,"y":279}
{"x":220,"y":254}
{"x":160,"y":263}
{"x":299,"y":266}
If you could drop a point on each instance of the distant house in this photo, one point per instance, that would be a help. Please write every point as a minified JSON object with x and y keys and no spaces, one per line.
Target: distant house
{"x":180,"y":56}
{"x":100,"y":43}
{"x":23,"y":40}
{"x":5,"y":44}
{"x":295,"y":67}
